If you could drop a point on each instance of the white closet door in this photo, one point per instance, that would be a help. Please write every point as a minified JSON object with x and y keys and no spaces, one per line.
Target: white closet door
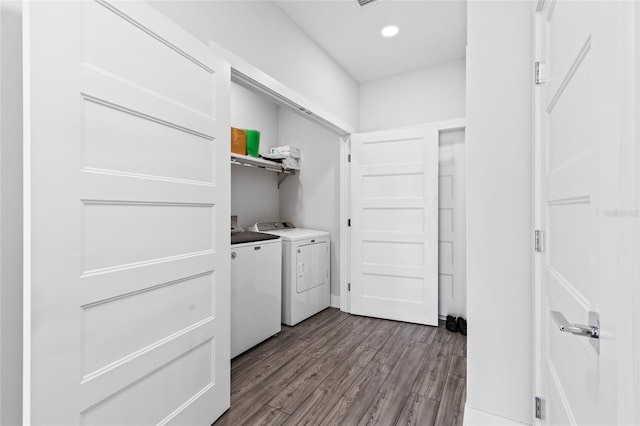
{"x":394,"y":220}
{"x":127,"y":245}
{"x":452,"y":248}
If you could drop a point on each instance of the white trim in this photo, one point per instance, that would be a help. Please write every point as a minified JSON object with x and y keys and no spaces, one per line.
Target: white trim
{"x":454,"y":124}
{"x":26,"y":320}
{"x":635,"y":327}
{"x":1,"y":229}
{"x":636,"y":247}
{"x":474,"y":417}
{"x":538,"y":220}
{"x":345,"y":235}
{"x":335,"y":301}
{"x":265,"y":83}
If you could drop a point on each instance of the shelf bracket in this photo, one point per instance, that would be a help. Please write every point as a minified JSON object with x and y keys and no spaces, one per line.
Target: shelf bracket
{"x":282,"y":176}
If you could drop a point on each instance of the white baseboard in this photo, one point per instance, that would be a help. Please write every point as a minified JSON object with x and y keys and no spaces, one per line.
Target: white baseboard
{"x":335,"y":301}
{"x":474,"y":417}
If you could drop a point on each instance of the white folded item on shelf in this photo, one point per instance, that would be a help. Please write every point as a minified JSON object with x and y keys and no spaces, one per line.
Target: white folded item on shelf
{"x":291,"y":163}
{"x":274,"y":156}
{"x":288,"y":150}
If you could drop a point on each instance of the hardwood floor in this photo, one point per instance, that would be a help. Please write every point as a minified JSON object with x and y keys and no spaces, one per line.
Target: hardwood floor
{"x":339,"y":369}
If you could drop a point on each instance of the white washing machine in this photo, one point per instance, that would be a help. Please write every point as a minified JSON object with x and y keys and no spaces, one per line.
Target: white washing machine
{"x":256,"y":292}
{"x":306,"y":274}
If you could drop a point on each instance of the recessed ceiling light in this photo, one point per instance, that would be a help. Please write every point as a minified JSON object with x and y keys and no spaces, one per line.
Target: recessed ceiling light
{"x":389,"y":31}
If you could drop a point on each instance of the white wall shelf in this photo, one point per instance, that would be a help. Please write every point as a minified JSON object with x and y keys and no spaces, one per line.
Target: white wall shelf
{"x":261,"y":163}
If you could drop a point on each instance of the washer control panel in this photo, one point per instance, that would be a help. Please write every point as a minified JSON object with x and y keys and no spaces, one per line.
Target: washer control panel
{"x":271,"y":226}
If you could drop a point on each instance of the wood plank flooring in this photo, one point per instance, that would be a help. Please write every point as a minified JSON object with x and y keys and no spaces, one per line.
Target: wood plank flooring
{"x":340,"y":369}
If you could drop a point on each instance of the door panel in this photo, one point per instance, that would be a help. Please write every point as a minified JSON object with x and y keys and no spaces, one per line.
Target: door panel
{"x":570,"y":258}
{"x":149,"y":399}
{"x":124,"y":144}
{"x":394,"y":219}
{"x":452,"y":248}
{"x":579,"y":137}
{"x":129,"y":288}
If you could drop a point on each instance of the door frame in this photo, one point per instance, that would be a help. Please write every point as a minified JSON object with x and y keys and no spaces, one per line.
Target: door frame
{"x":250,"y":77}
{"x":345,"y":202}
{"x":345,"y":213}
{"x":636,"y":244}
{"x":538,"y":223}
{"x":628,"y":383}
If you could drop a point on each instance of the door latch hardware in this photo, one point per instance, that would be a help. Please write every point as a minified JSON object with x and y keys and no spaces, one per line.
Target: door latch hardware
{"x":592,"y":330}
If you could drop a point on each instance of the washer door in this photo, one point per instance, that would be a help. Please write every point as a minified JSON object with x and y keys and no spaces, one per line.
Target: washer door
{"x":312,"y":262}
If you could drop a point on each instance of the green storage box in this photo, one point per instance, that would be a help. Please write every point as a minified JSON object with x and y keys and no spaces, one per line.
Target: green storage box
{"x":253,"y":142}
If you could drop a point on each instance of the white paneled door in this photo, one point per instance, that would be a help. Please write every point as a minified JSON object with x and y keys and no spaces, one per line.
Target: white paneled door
{"x":394,"y":225}
{"x":585,"y":262}
{"x":452,"y":244}
{"x":127,"y":204}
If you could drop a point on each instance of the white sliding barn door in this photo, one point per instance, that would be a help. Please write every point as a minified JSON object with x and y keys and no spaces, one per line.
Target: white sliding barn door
{"x":585,"y":268}
{"x":394,"y":225}
{"x":127,"y":204}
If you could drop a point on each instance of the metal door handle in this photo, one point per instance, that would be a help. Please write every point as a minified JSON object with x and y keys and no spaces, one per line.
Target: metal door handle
{"x":592,"y":330}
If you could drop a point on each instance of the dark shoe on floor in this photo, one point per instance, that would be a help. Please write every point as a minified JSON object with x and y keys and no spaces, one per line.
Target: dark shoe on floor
{"x":462,"y":325}
{"x":451,"y":324}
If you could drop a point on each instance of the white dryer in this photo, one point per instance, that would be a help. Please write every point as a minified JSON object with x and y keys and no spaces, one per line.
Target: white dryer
{"x":306,"y":274}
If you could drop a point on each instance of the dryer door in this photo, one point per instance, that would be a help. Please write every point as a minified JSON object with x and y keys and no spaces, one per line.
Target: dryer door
{"x":312,"y":262}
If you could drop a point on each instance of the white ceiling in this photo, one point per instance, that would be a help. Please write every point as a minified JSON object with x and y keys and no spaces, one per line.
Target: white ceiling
{"x":431,"y":32}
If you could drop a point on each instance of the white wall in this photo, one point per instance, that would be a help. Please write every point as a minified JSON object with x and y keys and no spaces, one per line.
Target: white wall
{"x":254,"y":195}
{"x":310,"y":199}
{"x":499,"y":209}
{"x":425,"y":95}
{"x":254,"y":192}
{"x":261,"y":34}
{"x":10,"y":213}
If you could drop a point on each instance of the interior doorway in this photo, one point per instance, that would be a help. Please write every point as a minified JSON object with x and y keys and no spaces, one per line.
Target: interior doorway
{"x":448,"y":240}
